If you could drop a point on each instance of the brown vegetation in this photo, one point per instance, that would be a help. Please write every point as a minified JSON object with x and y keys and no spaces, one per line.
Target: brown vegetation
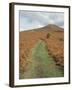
{"x":53,"y":37}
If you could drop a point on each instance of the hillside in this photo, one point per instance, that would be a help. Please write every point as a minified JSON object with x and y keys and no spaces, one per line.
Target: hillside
{"x":40,"y":63}
{"x":51,"y":35}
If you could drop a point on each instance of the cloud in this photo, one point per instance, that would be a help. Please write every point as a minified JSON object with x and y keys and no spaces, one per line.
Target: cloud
{"x":31,"y":19}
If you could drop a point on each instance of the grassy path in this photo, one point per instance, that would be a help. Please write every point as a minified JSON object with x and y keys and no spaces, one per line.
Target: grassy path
{"x":41,"y":64}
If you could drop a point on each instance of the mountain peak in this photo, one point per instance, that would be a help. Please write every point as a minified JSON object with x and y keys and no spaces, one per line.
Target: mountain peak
{"x":53,"y":27}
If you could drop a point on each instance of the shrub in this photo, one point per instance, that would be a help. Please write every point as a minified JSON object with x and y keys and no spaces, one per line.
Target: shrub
{"x":48,"y":35}
{"x":61,"y":39}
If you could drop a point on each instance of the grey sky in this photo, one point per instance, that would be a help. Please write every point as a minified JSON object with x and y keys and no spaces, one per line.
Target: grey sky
{"x":32,"y":19}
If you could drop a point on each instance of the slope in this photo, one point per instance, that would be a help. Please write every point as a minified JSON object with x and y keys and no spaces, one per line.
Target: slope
{"x":41,"y":64}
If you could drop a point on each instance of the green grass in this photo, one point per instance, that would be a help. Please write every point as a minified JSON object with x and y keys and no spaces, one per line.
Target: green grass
{"x":42,"y":65}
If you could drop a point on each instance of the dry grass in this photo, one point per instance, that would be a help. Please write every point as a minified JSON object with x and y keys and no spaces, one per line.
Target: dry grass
{"x":52,"y":36}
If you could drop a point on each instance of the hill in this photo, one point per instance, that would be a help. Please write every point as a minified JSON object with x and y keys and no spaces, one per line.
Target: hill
{"x":51,"y":35}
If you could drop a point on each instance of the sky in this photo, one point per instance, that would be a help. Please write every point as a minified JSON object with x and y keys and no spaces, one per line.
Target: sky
{"x":34,"y":19}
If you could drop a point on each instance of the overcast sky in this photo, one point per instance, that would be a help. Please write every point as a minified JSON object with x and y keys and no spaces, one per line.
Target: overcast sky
{"x":31,"y":19}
